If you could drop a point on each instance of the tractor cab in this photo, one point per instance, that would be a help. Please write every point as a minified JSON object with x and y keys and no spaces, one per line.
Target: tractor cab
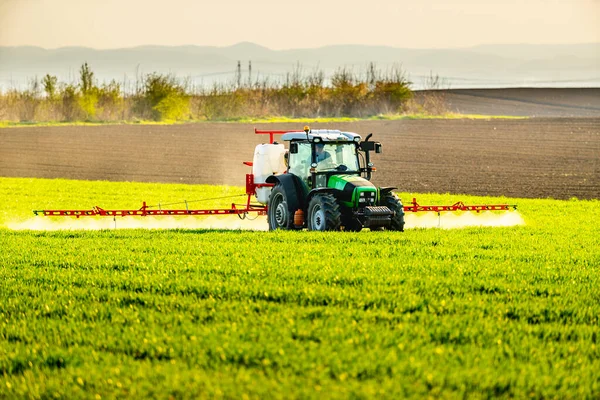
{"x":317,"y":156}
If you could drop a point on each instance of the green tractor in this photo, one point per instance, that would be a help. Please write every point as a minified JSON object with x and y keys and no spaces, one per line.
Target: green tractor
{"x":327,"y":186}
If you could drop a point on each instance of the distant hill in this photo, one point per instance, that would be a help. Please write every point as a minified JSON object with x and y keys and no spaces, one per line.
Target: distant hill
{"x":576,"y":65}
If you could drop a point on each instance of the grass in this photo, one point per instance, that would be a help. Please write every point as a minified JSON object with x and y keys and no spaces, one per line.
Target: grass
{"x":390,"y":117}
{"x":477,"y":312}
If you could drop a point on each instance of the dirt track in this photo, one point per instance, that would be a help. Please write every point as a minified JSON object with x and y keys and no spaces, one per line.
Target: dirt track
{"x":557,"y":158}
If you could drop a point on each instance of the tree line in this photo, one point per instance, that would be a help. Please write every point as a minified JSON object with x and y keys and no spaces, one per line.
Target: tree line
{"x":161,"y":97}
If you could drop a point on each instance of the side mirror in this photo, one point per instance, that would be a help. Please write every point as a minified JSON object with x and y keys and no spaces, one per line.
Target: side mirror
{"x":367,"y":146}
{"x":370,"y":146}
{"x":294,"y":148}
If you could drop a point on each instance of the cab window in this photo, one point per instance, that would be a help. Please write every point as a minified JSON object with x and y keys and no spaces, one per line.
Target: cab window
{"x":300,"y":162}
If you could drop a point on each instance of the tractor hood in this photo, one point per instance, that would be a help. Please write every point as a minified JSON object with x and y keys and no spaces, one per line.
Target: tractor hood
{"x":351,"y":187}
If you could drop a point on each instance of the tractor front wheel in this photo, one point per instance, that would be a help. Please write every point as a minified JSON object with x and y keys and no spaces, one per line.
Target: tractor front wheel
{"x":393,"y":203}
{"x":324,"y":213}
{"x":278,"y":214}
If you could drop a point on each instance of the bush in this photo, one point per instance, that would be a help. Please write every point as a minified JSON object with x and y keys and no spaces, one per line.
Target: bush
{"x":71,"y":109}
{"x":110,"y":101}
{"x":166,"y":97}
{"x":87,"y":104}
{"x":29,"y":101}
{"x":173,"y":107}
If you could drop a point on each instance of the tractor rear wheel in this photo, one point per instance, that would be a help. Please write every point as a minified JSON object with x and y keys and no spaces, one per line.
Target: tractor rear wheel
{"x":324,"y":213}
{"x":391,"y":201}
{"x":278,"y":214}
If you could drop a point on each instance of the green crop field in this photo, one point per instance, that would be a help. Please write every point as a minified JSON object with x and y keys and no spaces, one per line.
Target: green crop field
{"x":477,"y":312}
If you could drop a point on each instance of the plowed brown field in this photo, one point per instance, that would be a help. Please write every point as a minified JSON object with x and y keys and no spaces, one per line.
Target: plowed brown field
{"x":545,"y":157}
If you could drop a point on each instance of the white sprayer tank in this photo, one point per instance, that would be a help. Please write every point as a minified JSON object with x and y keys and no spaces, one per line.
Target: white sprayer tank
{"x":268,"y":160}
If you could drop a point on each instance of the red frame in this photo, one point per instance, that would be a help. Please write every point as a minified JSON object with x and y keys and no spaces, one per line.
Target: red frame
{"x":143,"y":211}
{"x":459,"y":206}
{"x":272,"y":133}
{"x":251,"y":208}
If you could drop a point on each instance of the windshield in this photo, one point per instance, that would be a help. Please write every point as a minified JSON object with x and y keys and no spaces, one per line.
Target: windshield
{"x":340,"y":157}
{"x":336,"y":157}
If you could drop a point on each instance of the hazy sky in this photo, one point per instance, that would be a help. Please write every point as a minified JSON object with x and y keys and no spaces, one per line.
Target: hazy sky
{"x":280,"y":24}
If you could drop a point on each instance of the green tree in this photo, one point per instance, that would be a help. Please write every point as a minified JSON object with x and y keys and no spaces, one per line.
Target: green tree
{"x":86,"y":77}
{"x":89,"y":92}
{"x":50,"y":83}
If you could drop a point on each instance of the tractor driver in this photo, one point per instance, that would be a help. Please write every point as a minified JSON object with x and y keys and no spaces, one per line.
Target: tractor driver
{"x":322,"y":155}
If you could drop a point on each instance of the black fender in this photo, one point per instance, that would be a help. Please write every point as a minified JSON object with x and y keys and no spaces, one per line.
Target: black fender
{"x":294,"y":190}
{"x":312,"y":193}
{"x":383,"y":191}
{"x":386,"y":189}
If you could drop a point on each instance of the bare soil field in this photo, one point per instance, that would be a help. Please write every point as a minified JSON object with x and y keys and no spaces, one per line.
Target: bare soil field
{"x":532,"y":158}
{"x":526,"y":102}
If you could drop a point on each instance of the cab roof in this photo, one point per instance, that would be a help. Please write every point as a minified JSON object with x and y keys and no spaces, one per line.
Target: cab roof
{"x":326,"y":135}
